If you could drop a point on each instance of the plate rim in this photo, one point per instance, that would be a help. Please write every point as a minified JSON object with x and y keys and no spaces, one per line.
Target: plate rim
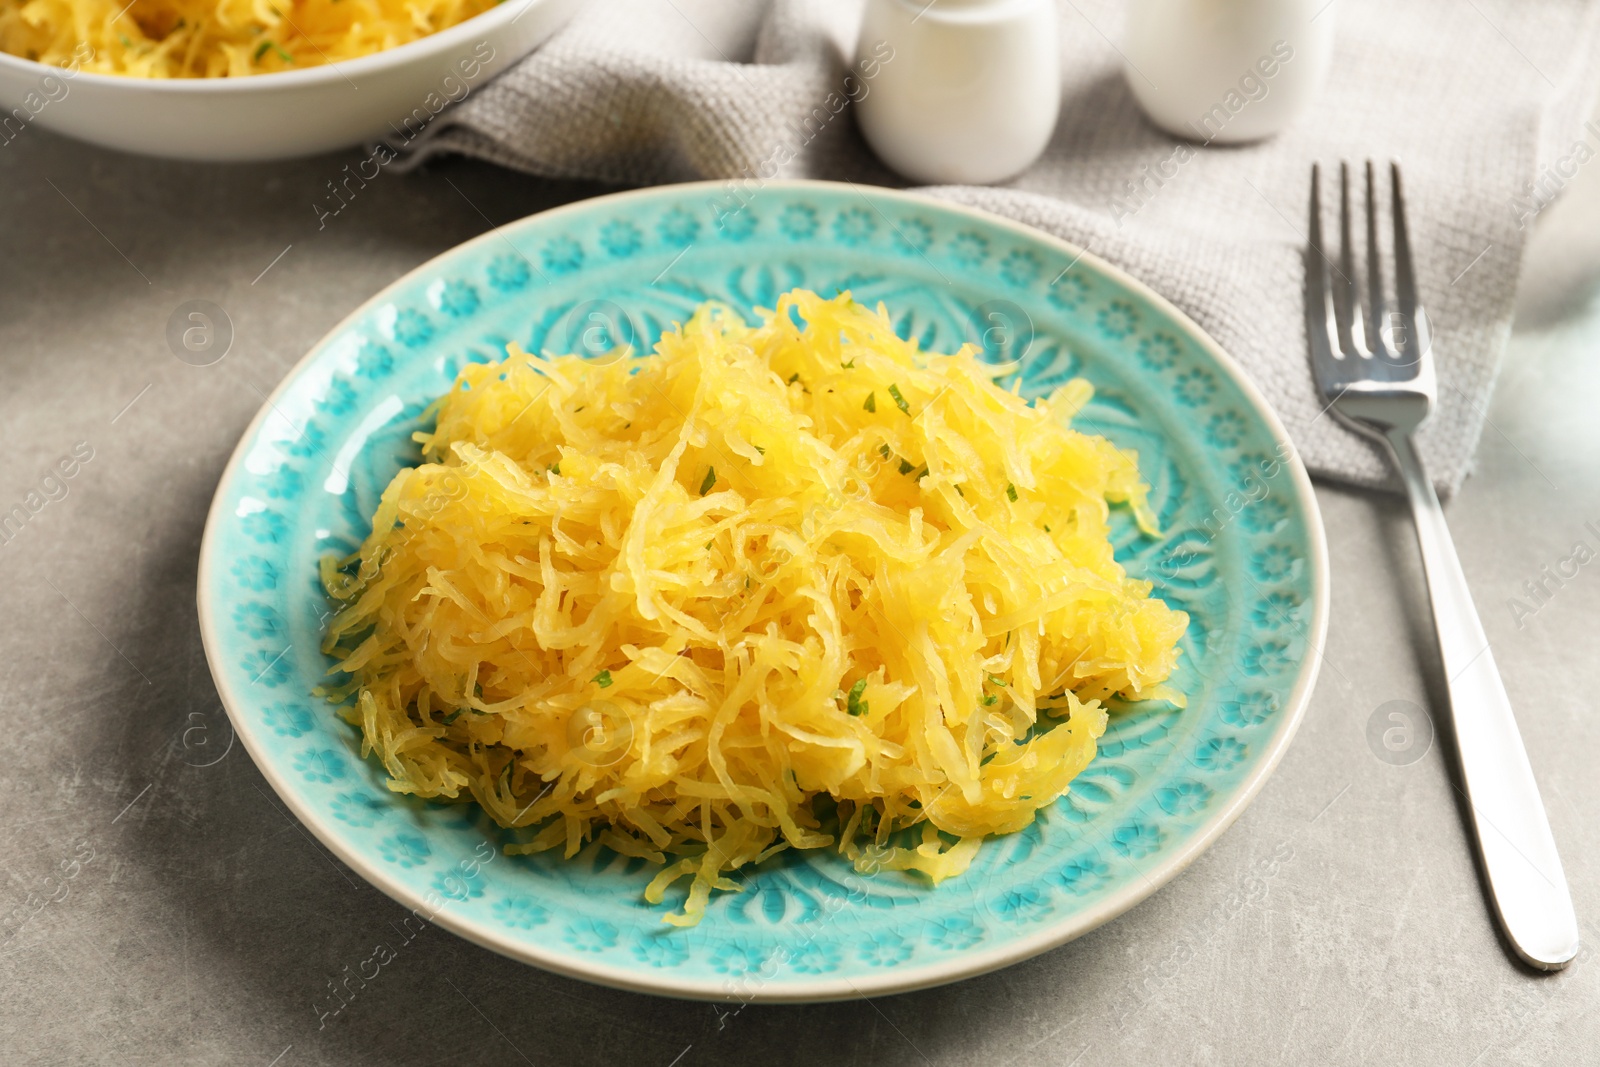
{"x":814,"y":990}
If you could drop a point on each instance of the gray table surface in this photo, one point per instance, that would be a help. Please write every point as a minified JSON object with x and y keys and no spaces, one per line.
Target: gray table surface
{"x":1339,"y":921}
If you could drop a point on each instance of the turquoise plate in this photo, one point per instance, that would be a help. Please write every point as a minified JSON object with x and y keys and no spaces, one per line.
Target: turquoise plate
{"x":1242,"y":553}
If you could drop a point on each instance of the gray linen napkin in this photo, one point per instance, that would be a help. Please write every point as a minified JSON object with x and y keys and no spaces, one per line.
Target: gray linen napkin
{"x":1478,"y":100}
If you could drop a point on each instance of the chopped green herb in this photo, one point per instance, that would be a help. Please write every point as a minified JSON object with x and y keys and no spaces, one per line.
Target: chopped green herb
{"x":285,"y":56}
{"x":961,"y":493}
{"x":922,"y":472}
{"x":452,"y":717}
{"x":849,"y":366}
{"x":995,"y":679}
{"x":883,"y":450}
{"x":872,"y":402}
{"x":795,"y":377}
{"x":554,"y":468}
{"x":989,"y":700}
{"x":906,"y":467}
{"x":760,"y":450}
{"x":603,"y":679}
{"x":853,"y":702}
{"x":1047,"y":528}
{"x":899,"y":401}
{"x":710,"y":480}
{"x":1011,"y":492}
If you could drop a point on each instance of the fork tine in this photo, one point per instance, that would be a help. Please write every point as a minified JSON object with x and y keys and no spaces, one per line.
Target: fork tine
{"x":1377,"y":308}
{"x":1325,"y":350}
{"x":1352,"y":331}
{"x":1417,"y":340}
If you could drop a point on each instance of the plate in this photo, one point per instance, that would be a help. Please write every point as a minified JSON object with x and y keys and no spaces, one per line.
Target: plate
{"x":1242,"y":552}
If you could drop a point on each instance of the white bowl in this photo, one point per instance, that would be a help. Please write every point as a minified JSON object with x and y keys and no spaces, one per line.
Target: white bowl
{"x":390,"y":95}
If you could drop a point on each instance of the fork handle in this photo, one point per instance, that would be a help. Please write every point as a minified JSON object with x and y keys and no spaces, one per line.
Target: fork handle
{"x":1526,"y":882}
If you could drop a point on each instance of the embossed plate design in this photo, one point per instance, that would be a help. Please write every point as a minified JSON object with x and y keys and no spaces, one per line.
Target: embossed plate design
{"x":1242,"y":551}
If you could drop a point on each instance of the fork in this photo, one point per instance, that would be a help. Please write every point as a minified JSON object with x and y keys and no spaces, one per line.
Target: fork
{"x":1375,"y":372}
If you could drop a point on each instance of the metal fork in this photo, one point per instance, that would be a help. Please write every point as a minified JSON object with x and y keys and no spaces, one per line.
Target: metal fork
{"x":1375,"y":372}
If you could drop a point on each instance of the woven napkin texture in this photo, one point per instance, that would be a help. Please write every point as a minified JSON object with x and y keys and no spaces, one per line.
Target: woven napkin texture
{"x":1476,"y":99}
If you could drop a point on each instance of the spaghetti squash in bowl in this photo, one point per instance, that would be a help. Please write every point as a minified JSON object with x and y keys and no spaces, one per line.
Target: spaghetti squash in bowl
{"x":795,"y":585}
{"x":217,"y":38}
{"x":233,"y":80}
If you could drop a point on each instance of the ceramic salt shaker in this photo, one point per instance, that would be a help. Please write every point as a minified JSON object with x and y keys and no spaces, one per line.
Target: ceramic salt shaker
{"x":966,"y":91}
{"x":1226,"y":71}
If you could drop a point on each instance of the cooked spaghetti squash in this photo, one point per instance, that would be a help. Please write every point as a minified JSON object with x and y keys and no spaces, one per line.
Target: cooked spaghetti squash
{"x":217,"y":38}
{"x":787,"y":585}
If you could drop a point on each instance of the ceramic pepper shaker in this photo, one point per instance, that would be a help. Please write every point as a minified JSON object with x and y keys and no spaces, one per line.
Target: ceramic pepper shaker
{"x":971,"y":92}
{"x":1226,"y":71}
